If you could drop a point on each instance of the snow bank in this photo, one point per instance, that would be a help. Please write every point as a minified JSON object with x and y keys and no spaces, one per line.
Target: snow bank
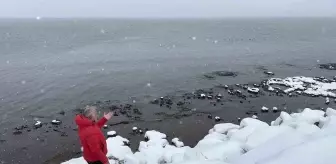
{"x":308,"y":85}
{"x":307,"y":137}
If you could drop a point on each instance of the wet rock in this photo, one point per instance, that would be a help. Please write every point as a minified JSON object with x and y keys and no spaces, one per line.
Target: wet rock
{"x":38,"y":124}
{"x":137,"y":111}
{"x":268,"y":73}
{"x":210,"y":116}
{"x":114,"y":107}
{"x":64,"y":134}
{"x":56,"y":122}
{"x":127,"y":143}
{"x":217,"y":118}
{"x":180,"y":103}
{"x":21,"y":127}
{"x":225,"y":73}
{"x":62,"y":112}
{"x":17,"y":132}
{"x":329,"y":66}
{"x":251,"y":112}
{"x":245,"y":87}
{"x":209,"y":76}
{"x":134,"y":129}
{"x":238,"y":85}
{"x":256,"y":85}
{"x":202,"y":96}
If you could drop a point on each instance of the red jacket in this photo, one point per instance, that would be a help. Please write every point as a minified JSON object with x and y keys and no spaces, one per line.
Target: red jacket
{"x":92,"y":139}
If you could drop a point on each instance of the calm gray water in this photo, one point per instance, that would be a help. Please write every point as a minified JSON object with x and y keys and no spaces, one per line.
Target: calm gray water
{"x":52,"y":65}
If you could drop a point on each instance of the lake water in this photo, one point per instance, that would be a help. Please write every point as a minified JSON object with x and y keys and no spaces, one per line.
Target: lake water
{"x":50,"y":65}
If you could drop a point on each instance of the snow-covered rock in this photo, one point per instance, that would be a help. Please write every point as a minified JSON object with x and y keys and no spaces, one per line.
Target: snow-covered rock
{"x":253,"y":90}
{"x":315,"y":88}
{"x":177,"y":142}
{"x":264,"y":109}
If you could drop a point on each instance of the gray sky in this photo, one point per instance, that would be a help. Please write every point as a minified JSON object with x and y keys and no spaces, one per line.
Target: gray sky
{"x":166,"y":8}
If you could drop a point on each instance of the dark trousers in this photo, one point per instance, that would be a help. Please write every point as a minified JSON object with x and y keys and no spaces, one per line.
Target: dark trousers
{"x":96,"y":162}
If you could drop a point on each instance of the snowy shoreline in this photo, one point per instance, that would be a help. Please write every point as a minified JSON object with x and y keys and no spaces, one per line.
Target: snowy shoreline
{"x":307,"y":137}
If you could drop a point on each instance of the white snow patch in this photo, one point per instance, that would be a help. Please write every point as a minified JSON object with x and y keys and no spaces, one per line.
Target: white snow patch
{"x":111,"y":133}
{"x":264,"y":109}
{"x":177,"y":142}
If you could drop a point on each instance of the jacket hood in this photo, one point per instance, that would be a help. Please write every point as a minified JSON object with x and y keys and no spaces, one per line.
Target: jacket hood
{"x":82,"y":121}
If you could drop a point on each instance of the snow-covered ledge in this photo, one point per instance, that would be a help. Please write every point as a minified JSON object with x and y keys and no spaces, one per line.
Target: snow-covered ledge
{"x":307,"y":137}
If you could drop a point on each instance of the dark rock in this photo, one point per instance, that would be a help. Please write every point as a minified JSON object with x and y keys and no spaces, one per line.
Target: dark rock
{"x":180,"y":103}
{"x":137,"y":111}
{"x":329,"y":66}
{"x":209,"y":76}
{"x":21,"y":127}
{"x":256,"y":85}
{"x":317,"y":124}
{"x":214,"y":104}
{"x":17,"y":132}
{"x":210,"y":116}
{"x":28,"y":130}
{"x":63,"y":134}
{"x":62,"y":112}
{"x":225,"y":73}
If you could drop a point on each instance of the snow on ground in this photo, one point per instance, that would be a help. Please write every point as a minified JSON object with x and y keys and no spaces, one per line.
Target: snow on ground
{"x":307,"y":137}
{"x":308,"y":85}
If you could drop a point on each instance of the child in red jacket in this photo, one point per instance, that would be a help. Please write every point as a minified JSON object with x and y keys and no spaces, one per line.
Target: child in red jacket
{"x":91,"y":137}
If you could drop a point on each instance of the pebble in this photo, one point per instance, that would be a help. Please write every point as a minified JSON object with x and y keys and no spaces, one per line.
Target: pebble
{"x":210,"y":116}
{"x":134,"y":129}
{"x":254,"y":116}
{"x":17,"y":132}
{"x":105,"y":126}
{"x":217,"y":118}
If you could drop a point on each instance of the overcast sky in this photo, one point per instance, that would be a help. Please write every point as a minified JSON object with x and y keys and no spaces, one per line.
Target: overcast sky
{"x":166,"y":8}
